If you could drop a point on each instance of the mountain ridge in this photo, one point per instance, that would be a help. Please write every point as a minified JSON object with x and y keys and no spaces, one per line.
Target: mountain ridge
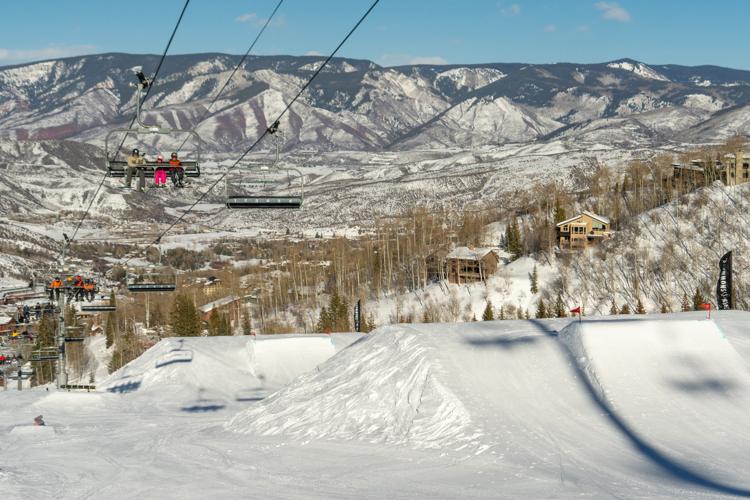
{"x":356,"y":104}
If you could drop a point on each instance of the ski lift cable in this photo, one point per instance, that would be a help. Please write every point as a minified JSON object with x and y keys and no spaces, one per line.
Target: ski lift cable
{"x":266,"y":131}
{"x":156,"y":73}
{"x":104,"y":177}
{"x":234,"y":71}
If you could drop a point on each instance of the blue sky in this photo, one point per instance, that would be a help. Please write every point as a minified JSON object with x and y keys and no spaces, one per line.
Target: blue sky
{"x":689,"y":32}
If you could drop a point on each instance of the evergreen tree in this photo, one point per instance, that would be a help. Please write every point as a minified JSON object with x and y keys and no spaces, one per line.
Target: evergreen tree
{"x":698,"y":300}
{"x":218,"y":324}
{"x":639,"y":309}
{"x":526,"y":314}
{"x":488,"y":314}
{"x":613,"y":308}
{"x":513,"y":237}
{"x":519,"y":312}
{"x":325,"y":322}
{"x":335,"y":318}
{"x":664,"y":308}
{"x":502,"y":312}
{"x":625,"y":309}
{"x":186,"y":321}
{"x":534,"y":277}
{"x":560,"y":311}
{"x":685,"y":306}
{"x":541,"y":309}
{"x":46,"y":333}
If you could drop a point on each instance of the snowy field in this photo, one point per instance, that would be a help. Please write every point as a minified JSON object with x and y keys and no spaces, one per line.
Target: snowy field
{"x":628,"y":407}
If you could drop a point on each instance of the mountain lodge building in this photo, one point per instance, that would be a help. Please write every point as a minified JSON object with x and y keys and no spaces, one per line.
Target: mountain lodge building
{"x":470,"y":265}
{"x":582,"y":230}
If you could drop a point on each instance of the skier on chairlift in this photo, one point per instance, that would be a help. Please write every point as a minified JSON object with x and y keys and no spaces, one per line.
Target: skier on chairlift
{"x":176,"y":171}
{"x":135,"y":162}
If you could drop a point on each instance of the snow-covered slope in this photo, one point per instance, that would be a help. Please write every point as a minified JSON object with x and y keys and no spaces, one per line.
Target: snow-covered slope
{"x":527,"y":393}
{"x":650,"y":407}
{"x":223,"y":369}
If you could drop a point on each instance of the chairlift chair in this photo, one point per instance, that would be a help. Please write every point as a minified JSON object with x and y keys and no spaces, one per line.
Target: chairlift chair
{"x":98,"y":308}
{"x":45,"y":354}
{"x":265,"y":187}
{"x":117,"y":168}
{"x":152,"y":279}
{"x":273,"y":186}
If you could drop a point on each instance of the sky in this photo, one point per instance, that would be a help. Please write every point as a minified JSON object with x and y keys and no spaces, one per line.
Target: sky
{"x":688,"y":32}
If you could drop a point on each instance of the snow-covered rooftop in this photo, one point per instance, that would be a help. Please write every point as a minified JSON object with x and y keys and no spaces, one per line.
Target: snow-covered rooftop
{"x":600,"y":218}
{"x":218,"y":303}
{"x":467,"y":253}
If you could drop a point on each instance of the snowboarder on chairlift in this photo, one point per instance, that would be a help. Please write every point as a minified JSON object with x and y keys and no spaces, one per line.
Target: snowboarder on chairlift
{"x":135,"y":162}
{"x":176,"y":171}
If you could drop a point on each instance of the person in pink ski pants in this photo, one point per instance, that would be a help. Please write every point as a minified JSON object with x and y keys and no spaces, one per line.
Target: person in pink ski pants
{"x":160,"y":173}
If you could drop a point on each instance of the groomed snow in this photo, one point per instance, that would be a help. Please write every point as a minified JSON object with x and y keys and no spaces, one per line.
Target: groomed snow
{"x":630,"y":407}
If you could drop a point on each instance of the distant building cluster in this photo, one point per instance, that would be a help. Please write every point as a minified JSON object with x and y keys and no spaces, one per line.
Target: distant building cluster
{"x":731,"y":169}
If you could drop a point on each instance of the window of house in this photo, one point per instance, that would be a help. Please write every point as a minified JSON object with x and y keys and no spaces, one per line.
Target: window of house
{"x":579,"y":229}
{"x":565,"y":228}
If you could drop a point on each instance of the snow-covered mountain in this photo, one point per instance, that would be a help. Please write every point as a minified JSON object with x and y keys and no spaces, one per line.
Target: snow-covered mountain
{"x":359,"y":105}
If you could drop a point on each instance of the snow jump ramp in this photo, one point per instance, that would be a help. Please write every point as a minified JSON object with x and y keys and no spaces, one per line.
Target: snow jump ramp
{"x":224,"y":368}
{"x":602,"y":401}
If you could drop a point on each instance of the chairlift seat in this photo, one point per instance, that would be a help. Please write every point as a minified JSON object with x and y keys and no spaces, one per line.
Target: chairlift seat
{"x":98,"y":308}
{"x":152,"y":287}
{"x":240,"y":202}
{"x":117,"y":168}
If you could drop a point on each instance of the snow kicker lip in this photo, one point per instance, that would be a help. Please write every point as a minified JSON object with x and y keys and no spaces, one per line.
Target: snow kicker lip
{"x":571,"y":342}
{"x":406,"y":404}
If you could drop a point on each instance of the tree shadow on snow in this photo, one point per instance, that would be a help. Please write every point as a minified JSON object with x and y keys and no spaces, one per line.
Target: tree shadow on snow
{"x":669,"y":465}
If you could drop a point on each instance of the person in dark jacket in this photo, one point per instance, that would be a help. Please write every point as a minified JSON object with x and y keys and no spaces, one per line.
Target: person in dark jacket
{"x":176,"y":172}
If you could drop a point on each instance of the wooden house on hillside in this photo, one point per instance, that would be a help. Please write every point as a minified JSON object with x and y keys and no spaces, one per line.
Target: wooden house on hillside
{"x":582,"y":230}
{"x":469,"y":265}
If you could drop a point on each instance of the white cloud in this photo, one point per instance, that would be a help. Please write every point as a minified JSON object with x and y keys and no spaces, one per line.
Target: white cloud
{"x":313,"y":53}
{"x":252,"y":18}
{"x":404,"y":59}
{"x":51,"y":52}
{"x":613,"y":12}
{"x":512,"y":10}
{"x":550,"y":28}
{"x":428,"y":60}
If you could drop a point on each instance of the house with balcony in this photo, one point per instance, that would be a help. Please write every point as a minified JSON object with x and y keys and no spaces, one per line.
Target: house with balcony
{"x":583,"y":230}
{"x":470,"y":265}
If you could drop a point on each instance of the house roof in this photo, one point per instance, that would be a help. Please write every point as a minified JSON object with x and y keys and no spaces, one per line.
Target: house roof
{"x":585,"y":212}
{"x":218,"y":303}
{"x":466,"y":253}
